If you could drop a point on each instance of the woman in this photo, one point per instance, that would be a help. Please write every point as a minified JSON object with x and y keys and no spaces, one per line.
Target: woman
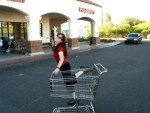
{"x":60,"y":55}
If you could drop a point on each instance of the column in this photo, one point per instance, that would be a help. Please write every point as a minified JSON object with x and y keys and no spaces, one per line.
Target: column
{"x":95,"y":34}
{"x":73,"y":40}
{"x":34,"y":42}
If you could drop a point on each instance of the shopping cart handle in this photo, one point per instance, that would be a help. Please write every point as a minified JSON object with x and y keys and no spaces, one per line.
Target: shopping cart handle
{"x":100,"y":68}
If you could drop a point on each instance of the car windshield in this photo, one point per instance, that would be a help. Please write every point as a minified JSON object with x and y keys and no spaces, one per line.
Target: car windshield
{"x":133,"y":35}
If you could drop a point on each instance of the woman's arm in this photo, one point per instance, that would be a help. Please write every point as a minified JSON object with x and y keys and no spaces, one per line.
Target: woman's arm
{"x":55,"y":31}
{"x":61,"y":56}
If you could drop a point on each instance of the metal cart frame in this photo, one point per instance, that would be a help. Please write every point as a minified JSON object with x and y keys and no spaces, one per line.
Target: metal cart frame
{"x":85,"y":88}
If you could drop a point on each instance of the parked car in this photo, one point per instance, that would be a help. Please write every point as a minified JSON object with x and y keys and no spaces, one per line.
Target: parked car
{"x":133,"y":38}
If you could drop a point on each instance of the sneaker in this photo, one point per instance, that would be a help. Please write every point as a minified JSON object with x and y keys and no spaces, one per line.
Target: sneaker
{"x":7,"y":51}
{"x":72,"y":102}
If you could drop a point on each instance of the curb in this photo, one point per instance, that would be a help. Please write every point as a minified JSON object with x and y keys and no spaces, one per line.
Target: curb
{"x":24,"y":59}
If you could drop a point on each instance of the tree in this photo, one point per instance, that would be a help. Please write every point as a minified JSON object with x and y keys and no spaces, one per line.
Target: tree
{"x":131,"y":21}
{"x":143,"y":28}
{"x":126,"y":25}
{"x":107,"y":18}
{"x":106,"y":27}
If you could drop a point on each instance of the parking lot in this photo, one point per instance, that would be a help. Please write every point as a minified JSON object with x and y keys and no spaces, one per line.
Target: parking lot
{"x":123,"y":89}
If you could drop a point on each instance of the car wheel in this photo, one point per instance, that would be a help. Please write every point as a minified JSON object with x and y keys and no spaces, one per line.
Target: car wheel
{"x":138,"y":41}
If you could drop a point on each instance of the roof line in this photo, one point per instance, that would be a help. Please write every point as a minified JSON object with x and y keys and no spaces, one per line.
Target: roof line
{"x":90,"y":2}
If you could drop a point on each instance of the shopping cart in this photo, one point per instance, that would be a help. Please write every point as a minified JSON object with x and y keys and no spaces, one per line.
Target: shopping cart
{"x":85,"y":88}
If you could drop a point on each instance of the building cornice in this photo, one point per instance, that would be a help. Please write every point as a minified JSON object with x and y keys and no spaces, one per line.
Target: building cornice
{"x":90,"y":2}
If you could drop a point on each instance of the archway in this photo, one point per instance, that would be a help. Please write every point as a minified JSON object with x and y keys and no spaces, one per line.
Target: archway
{"x":91,"y":27}
{"x":12,"y":21}
{"x":48,"y":21}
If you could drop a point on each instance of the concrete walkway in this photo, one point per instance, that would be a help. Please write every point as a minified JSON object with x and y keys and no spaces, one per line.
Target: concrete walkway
{"x":8,"y":59}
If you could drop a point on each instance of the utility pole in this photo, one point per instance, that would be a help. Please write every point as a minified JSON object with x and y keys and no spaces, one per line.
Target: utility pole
{"x":116,"y":31}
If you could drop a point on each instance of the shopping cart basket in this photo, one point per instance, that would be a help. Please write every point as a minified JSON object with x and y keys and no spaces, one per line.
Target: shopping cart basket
{"x":75,"y":109}
{"x":85,"y":88}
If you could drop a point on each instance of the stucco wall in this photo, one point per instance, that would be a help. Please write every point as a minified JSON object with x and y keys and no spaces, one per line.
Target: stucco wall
{"x":46,"y":31}
{"x":57,"y":22}
{"x":11,"y":16}
{"x":33,"y":8}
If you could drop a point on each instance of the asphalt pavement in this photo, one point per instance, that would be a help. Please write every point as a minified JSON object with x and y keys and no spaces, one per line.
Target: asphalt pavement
{"x":24,"y":88}
{"x":7,"y":59}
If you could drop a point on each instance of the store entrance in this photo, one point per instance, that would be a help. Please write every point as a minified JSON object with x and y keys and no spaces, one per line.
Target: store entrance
{"x":14,"y":36}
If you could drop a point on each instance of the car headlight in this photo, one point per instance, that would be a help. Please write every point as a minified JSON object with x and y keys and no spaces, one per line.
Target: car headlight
{"x":135,"y":39}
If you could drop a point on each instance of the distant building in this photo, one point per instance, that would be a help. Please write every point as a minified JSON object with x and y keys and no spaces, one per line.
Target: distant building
{"x":32,"y":20}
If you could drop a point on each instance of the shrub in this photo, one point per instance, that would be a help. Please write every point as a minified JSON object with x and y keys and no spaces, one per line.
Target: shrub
{"x":107,"y":40}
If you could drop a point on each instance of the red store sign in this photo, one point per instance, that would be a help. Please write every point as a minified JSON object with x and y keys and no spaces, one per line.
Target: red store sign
{"x":85,"y":10}
{"x":21,"y":1}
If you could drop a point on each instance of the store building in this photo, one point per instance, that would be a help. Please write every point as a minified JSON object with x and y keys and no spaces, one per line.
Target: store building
{"x":31,"y":21}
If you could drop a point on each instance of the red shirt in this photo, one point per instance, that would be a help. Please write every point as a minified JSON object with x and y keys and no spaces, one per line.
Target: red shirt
{"x":56,"y":54}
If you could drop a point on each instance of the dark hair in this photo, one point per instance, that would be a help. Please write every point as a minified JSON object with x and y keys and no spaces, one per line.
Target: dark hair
{"x":52,"y":34}
{"x":63,"y":43}
{"x":63,"y":38}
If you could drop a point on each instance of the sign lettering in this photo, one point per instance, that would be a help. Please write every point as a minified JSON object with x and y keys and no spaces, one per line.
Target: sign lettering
{"x":85,"y":10}
{"x":20,"y":1}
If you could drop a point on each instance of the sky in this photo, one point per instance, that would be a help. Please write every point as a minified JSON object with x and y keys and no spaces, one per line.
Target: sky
{"x":118,"y":9}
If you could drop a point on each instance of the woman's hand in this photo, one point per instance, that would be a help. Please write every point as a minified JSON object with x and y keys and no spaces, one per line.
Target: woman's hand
{"x":55,"y":28}
{"x":56,"y":71}
{"x":55,"y":31}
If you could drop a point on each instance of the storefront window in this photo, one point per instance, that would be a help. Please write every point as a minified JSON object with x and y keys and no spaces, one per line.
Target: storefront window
{"x":5,"y":29}
{"x":0,"y":29}
{"x":22,"y":31}
{"x":41,"y":29}
{"x":25,"y":30}
{"x":18,"y":29}
{"x":10,"y":28}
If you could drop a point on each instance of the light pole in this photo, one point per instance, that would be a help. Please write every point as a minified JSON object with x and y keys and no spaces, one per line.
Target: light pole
{"x":116,"y":31}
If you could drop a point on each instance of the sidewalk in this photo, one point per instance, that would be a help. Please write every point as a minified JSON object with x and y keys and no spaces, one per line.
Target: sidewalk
{"x":10,"y":58}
